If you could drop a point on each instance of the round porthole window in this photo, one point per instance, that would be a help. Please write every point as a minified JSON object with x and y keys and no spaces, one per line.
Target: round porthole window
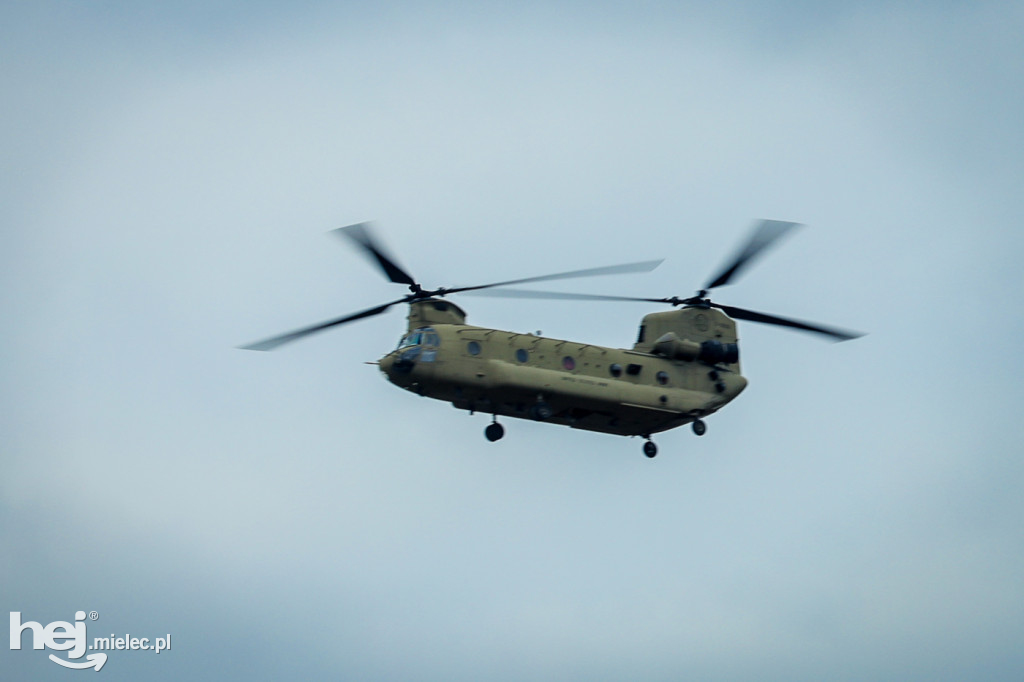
{"x":473,"y":347}
{"x":568,"y":363}
{"x":522,"y":355}
{"x":662,"y":378}
{"x":615,"y":369}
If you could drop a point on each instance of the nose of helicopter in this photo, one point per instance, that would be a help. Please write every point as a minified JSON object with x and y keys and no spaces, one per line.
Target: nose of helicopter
{"x":398,"y":366}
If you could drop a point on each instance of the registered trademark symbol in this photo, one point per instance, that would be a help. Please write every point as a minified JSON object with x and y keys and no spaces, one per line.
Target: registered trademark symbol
{"x":93,"y":615}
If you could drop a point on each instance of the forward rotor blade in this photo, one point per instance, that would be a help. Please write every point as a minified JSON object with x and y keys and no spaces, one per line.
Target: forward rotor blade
{"x":274,"y":342}
{"x":764,"y":235}
{"x":644,"y":266}
{"x":361,"y":234}
{"x":559,"y":295}
{"x":751,"y":316}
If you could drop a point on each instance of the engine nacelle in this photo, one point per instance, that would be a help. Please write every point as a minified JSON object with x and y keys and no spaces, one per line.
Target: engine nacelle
{"x":711,"y":352}
{"x":715,"y":352}
{"x":671,"y":346}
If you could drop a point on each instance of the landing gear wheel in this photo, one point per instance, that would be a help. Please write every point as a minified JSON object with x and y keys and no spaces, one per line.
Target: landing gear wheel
{"x":699,"y":427}
{"x":494,"y":432}
{"x":650,"y":449}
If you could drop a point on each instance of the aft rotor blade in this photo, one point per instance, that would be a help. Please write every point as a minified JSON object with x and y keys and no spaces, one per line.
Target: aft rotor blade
{"x":764,"y":235}
{"x":644,"y":266}
{"x":361,"y":234}
{"x":274,"y":342}
{"x":751,"y":316}
{"x":559,"y":295}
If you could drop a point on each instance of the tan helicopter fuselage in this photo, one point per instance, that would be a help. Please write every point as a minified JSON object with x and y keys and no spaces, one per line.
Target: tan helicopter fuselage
{"x":684,"y":366}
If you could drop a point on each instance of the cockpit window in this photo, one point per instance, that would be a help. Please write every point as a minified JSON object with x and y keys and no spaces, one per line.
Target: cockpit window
{"x":411,"y":340}
{"x":425,"y":336}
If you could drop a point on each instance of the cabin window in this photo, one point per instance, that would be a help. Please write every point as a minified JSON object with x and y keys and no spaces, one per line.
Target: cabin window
{"x":662,"y":378}
{"x":615,"y":369}
{"x":633,"y":370}
{"x":568,"y":363}
{"x":473,"y":347}
{"x":522,"y":355}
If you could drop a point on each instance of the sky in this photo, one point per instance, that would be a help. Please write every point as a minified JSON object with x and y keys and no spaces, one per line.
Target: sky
{"x":170,"y":172}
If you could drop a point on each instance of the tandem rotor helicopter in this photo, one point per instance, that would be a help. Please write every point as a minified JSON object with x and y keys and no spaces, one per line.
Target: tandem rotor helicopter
{"x":683,"y":367}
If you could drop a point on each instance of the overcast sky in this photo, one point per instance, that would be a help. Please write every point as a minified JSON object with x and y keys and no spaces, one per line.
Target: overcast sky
{"x":169,"y":175}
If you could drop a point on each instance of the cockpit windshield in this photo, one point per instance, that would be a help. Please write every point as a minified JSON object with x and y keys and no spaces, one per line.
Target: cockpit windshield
{"x":425,"y":336}
{"x":410,"y":340}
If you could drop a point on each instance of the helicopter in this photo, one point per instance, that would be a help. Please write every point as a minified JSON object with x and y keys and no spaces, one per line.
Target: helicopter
{"x":683,"y":367}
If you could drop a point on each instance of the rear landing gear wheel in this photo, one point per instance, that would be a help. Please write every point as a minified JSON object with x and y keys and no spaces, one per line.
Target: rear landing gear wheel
{"x":650,"y":449}
{"x":699,"y":427}
{"x":494,"y":432}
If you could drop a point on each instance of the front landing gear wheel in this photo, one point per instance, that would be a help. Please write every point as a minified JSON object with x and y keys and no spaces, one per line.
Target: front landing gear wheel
{"x":699,"y":427}
{"x":650,"y":449}
{"x":494,"y":432}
